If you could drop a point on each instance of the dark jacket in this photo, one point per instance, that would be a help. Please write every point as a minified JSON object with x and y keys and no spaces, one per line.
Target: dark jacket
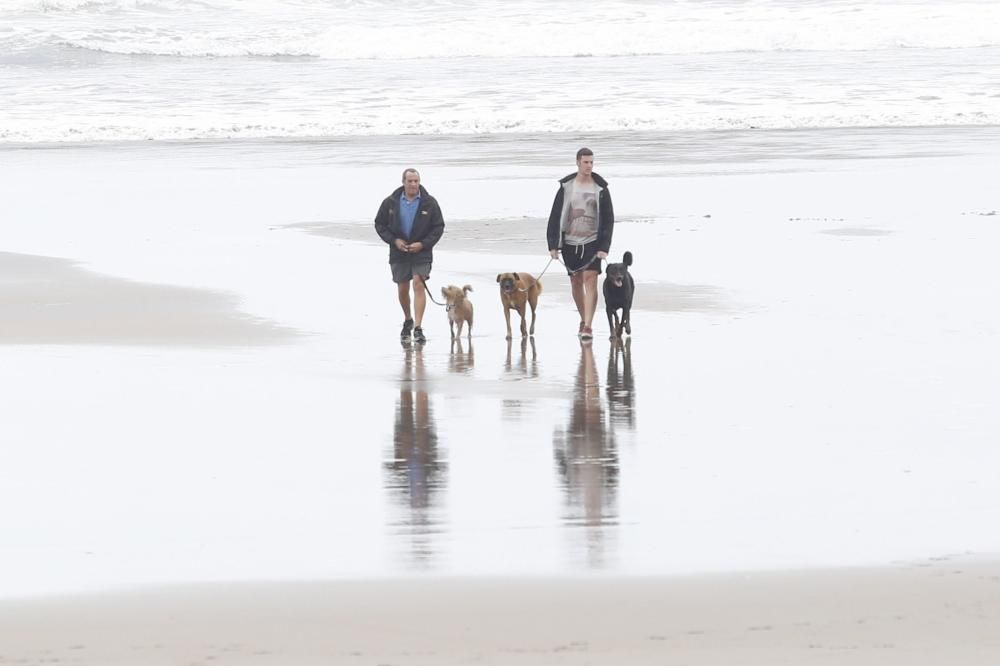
{"x":606,"y":214}
{"x":428,"y":225}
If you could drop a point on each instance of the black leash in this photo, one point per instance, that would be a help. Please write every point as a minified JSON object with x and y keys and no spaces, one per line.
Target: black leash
{"x":585,"y":266}
{"x":429,"y":295}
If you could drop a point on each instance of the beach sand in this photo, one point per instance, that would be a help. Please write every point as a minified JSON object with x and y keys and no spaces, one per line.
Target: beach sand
{"x":216,"y":450}
{"x":946,"y":611}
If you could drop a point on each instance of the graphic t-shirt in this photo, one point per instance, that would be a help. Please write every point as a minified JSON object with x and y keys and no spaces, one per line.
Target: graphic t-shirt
{"x":580,"y":225}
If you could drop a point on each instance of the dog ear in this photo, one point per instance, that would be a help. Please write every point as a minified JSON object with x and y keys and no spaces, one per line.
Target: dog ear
{"x":444,"y":292}
{"x":516,"y":276}
{"x":627,"y":259}
{"x":498,"y":278}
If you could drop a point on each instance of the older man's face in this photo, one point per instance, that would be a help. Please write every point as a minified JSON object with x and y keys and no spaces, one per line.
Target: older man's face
{"x":411,"y":184}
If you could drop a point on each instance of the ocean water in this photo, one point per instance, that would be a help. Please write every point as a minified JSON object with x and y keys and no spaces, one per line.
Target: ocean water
{"x":129,"y":70}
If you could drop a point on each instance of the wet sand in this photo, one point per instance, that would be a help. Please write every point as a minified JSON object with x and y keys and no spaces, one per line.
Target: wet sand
{"x":933,"y":613}
{"x":206,"y":399}
{"x":47,"y":300}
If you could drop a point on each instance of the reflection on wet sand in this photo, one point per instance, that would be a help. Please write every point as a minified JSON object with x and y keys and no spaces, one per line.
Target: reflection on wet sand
{"x":415,"y":474}
{"x":513,"y":408}
{"x":587,"y":459}
{"x":523,"y":370}
{"x":621,"y":384}
{"x":459,"y":360}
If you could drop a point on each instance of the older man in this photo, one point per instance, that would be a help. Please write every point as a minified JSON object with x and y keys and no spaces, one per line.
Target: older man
{"x":410,"y":221}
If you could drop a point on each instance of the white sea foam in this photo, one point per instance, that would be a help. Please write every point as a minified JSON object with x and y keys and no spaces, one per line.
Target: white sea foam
{"x":121,"y":70}
{"x":466,"y":28}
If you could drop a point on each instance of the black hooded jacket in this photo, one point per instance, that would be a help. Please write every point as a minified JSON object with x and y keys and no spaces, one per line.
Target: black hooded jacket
{"x":605,"y":223}
{"x":428,"y":226}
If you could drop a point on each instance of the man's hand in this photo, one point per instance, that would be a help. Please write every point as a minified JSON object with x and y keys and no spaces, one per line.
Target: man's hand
{"x":415,"y":247}
{"x":554,"y":254}
{"x":400,"y":245}
{"x":602,"y":255}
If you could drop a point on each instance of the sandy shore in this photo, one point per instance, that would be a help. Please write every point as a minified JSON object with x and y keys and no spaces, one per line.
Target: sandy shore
{"x":204,"y":391}
{"x":933,"y":613}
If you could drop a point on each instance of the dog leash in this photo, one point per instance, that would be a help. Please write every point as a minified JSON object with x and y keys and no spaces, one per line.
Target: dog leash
{"x":574,"y":272}
{"x":584,"y":267}
{"x":431,"y":296}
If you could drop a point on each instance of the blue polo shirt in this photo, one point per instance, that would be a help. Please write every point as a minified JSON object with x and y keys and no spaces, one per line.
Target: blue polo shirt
{"x":407,"y":213}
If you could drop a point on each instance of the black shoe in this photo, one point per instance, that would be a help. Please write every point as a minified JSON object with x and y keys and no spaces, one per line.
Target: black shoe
{"x":418,"y":335}
{"x":407,"y":327}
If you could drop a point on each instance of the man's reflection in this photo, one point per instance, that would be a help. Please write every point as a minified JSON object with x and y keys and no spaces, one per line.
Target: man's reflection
{"x":415,"y":473}
{"x":621,"y":384}
{"x":587,"y":458}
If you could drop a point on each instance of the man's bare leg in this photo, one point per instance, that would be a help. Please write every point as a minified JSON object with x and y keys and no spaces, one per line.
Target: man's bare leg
{"x":579,"y":297}
{"x":590,"y":297}
{"x":419,"y":300}
{"x":403,"y":291}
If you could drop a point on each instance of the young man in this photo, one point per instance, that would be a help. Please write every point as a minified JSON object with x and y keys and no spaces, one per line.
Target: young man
{"x":581,"y":223}
{"x":410,"y":221}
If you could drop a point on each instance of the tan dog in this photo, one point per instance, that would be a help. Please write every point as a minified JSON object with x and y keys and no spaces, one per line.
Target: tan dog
{"x":516,"y":291}
{"x":459,"y":308}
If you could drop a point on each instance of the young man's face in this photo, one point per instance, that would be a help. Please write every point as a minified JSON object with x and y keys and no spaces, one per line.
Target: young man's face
{"x":585,"y":164}
{"x":411,"y":184}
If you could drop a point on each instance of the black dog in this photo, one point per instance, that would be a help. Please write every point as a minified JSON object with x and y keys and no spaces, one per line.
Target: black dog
{"x":619,"y":287}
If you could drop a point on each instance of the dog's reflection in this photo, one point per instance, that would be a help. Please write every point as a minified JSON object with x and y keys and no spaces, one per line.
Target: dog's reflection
{"x":621,"y":383}
{"x":587,"y":459}
{"x":415,"y":472}
{"x":524,"y":368}
{"x":459,"y":360}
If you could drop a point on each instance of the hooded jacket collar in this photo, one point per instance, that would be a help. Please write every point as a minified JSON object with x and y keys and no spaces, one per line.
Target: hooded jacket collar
{"x":597,"y":179}
{"x":399,"y":192}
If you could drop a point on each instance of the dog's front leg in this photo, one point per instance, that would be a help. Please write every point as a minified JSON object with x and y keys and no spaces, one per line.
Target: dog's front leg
{"x":506,"y":314}
{"x":613,"y":322}
{"x":458,"y":333}
{"x":627,"y":319}
{"x":524,"y":321}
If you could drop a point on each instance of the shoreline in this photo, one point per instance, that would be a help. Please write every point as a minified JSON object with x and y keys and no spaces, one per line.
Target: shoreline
{"x":642,"y":140}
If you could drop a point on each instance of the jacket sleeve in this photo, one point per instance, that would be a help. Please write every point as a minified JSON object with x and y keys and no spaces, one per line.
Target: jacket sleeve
{"x":555,"y":220}
{"x":606,"y":228}
{"x":437,"y":227}
{"x":382,"y":223}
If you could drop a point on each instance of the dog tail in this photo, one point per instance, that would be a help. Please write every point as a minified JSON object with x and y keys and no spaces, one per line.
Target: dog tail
{"x":466,"y":289}
{"x":627,"y":259}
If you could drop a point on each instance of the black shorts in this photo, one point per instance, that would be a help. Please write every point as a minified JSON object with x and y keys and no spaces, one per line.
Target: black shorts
{"x":404,"y":271}
{"x":579,"y":258}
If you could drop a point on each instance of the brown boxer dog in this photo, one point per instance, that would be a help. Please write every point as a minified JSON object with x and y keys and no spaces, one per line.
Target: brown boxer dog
{"x":516,"y":291}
